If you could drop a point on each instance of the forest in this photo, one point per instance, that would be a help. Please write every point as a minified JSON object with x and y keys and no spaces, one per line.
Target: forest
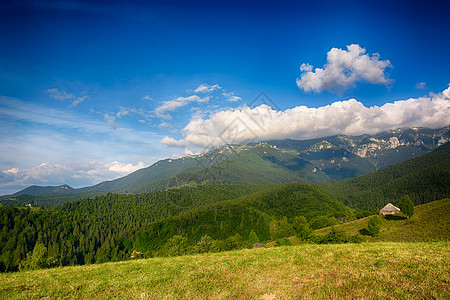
{"x":206,"y":217}
{"x":117,"y":227}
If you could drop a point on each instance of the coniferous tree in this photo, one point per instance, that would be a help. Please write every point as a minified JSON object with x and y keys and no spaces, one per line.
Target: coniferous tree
{"x":406,"y":206}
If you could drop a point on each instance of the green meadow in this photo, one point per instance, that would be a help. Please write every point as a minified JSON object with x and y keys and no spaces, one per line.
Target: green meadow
{"x":387,"y":270}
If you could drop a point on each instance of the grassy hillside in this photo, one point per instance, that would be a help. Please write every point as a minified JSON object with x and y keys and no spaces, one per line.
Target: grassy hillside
{"x":347,"y":271}
{"x":430,"y":221}
{"x":424,"y":179}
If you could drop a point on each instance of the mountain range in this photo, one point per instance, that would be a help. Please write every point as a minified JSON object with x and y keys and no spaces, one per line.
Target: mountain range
{"x":314,"y":161}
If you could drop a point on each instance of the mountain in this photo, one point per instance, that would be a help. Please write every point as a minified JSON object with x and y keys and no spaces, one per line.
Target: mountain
{"x":35,"y":190}
{"x":312,"y":161}
{"x":343,"y":157}
{"x":424,"y":179}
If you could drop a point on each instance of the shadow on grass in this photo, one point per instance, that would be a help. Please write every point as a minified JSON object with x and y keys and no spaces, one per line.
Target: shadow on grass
{"x":394,"y":217}
{"x":364,"y":231}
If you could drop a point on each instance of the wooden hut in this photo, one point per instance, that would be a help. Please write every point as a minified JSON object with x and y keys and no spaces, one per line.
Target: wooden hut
{"x":389,"y":209}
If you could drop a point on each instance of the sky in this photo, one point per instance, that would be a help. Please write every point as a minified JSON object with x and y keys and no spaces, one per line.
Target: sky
{"x":93,"y":90}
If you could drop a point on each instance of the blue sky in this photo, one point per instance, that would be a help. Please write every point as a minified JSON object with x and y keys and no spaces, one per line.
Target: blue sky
{"x":92,"y":90}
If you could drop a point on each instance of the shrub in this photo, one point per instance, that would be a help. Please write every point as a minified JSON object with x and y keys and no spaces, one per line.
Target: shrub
{"x":283,"y":242}
{"x":374,"y":225}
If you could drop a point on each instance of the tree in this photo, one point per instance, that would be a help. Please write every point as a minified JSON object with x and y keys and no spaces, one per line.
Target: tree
{"x":35,"y":260}
{"x":406,"y":206}
{"x":374,"y":225}
{"x":253,"y":238}
{"x":175,"y":246}
{"x":285,"y":229}
{"x":206,"y":244}
{"x":299,"y":222}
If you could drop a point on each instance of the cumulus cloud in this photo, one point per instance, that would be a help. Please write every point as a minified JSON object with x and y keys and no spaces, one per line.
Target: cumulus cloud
{"x":124,"y":168}
{"x":344,"y":68}
{"x":171,"y":142}
{"x":171,"y":105}
{"x":11,"y":171}
{"x":350,"y":117}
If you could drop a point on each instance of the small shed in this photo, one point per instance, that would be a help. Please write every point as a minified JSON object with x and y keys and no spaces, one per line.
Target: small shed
{"x":389,"y":209}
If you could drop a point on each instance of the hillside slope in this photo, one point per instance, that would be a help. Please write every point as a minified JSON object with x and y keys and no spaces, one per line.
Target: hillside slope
{"x":424,"y":179}
{"x":430,"y":221}
{"x":356,"y":271}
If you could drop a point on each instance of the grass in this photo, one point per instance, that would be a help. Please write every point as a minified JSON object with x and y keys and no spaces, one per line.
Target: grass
{"x":430,"y":222}
{"x":369,"y":270}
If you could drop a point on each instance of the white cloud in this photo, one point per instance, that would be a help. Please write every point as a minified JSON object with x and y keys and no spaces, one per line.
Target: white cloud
{"x":164,"y":125}
{"x":11,"y":171}
{"x":421,"y":85}
{"x":171,"y":142}
{"x":110,"y":120}
{"x":123,"y":112}
{"x":63,"y":95}
{"x":124,"y":168}
{"x":83,"y":173}
{"x":231,"y":97}
{"x":59,"y":95}
{"x":171,"y":105}
{"x":78,"y":100}
{"x":446,"y":92}
{"x":147,"y":97}
{"x":204,"y":88}
{"x":349,"y":117}
{"x":344,"y":68}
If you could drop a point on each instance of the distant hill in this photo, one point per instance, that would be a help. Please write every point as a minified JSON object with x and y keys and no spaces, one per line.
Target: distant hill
{"x":424,"y":179}
{"x":35,"y":190}
{"x":274,"y":162}
{"x":254,"y":211}
{"x":430,"y":221}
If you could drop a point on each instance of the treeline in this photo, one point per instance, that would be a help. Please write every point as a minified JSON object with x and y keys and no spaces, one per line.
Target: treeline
{"x":424,"y":179}
{"x":98,"y":229}
{"x":117,"y":227}
{"x":258,"y":212}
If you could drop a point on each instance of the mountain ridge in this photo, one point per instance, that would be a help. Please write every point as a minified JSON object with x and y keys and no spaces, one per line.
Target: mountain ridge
{"x":327,"y":159}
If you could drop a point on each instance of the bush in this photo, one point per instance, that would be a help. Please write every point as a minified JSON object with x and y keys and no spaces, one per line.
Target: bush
{"x":283,"y":242}
{"x":374,"y":225}
{"x":323,"y":221}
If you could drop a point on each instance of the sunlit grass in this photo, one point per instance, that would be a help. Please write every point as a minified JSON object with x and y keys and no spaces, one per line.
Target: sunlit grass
{"x":368,"y":270}
{"x":430,"y":221}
